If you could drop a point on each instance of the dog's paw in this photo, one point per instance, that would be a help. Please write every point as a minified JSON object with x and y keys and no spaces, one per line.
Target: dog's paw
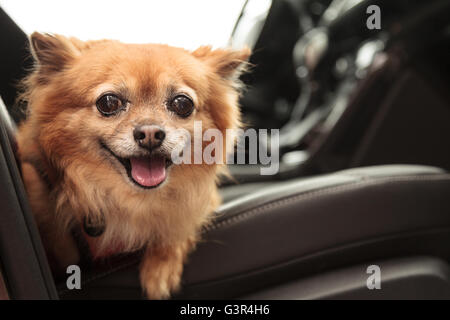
{"x":161,"y":273}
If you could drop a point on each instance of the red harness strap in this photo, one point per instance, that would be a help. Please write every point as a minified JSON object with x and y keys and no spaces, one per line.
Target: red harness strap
{"x":89,"y":247}
{"x":95,"y":251}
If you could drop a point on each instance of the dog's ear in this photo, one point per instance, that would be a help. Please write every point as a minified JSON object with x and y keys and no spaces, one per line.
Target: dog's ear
{"x":228,"y":63}
{"x":53,"y":52}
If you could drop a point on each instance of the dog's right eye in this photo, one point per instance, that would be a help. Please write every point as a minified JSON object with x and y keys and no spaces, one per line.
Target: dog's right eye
{"x":109,"y":104}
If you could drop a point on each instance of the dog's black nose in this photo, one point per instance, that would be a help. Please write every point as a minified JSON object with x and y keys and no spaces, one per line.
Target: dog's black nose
{"x":149,"y":136}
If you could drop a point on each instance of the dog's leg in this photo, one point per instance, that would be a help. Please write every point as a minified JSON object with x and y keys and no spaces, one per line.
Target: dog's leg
{"x":162,"y":267}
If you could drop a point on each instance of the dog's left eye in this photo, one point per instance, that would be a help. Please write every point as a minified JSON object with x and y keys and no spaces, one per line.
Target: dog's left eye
{"x":182,"y":106}
{"x":109,"y":104}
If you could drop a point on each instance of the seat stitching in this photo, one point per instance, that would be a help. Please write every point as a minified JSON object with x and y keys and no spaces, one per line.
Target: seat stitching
{"x":311,"y":194}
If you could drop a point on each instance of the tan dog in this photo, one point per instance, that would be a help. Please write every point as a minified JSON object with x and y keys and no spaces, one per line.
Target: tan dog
{"x":95,"y":148}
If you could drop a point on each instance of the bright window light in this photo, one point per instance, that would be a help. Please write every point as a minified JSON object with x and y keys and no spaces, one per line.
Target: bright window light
{"x":187,"y":24}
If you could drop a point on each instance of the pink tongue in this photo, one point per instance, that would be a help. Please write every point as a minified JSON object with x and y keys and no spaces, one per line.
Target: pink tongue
{"x":148,"y":172}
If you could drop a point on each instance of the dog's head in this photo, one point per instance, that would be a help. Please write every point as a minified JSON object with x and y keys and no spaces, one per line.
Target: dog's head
{"x":116,"y":110}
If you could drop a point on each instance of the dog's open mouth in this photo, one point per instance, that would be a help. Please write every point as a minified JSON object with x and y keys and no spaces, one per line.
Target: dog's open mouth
{"x":145,"y":171}
{"x":148,"y":171}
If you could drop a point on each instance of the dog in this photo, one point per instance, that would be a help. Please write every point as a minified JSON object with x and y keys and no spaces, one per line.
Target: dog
{"x":95,"y":149}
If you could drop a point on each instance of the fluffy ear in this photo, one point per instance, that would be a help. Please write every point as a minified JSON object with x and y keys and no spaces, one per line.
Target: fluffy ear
{"x":228,"y":63}
{"x":53,"y":52}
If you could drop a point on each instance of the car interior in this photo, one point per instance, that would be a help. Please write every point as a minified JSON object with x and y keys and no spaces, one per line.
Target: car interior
{"x":364,"y":119}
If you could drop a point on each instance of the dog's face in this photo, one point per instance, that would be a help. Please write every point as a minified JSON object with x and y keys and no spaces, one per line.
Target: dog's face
{"x":116,"y":109}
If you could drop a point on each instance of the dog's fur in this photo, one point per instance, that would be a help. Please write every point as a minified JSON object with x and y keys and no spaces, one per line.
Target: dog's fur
{"x":69,"y":176}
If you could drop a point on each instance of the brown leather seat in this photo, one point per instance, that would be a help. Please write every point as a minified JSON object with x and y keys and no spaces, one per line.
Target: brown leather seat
{"x":306,"y":227}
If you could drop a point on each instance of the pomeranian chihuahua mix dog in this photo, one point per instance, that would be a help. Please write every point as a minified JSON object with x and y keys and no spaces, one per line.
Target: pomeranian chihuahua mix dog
{"x":96,"y":147}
